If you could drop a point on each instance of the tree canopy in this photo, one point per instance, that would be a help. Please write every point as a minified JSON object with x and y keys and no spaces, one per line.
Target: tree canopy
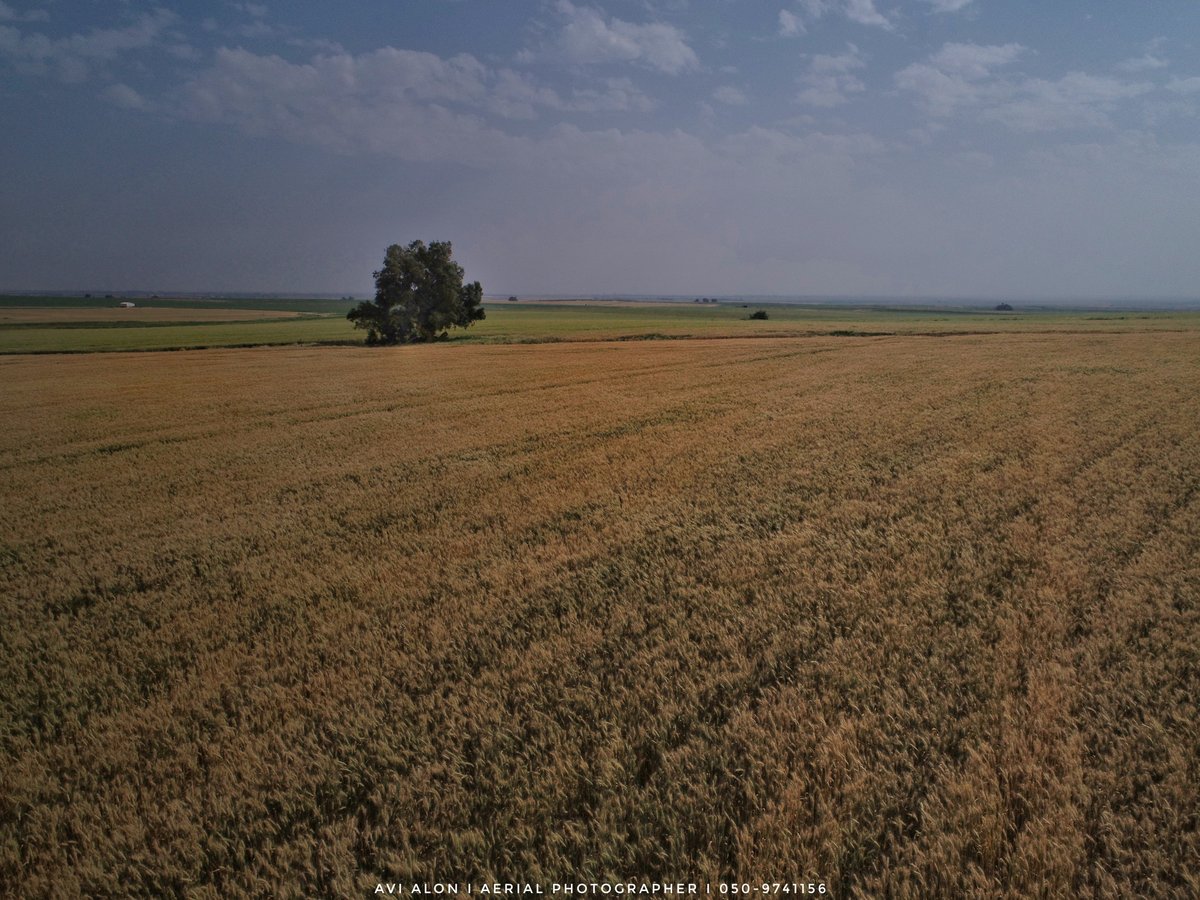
{"x":419,"y":295}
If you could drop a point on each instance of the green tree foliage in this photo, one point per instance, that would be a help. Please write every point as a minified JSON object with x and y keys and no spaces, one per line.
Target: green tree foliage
{"x":419,"y":295}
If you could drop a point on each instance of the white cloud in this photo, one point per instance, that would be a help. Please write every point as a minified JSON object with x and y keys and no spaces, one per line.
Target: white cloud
{"x":963,"y":77}
{"x":422,"y":108}
{"x":1076,"y":100}
{"x":1184,"y":85}
{"x":185,"y":52}
{"x":830,"y":79}
{"x":8,"y":14}
{"x":939,"y":93}
{"x":975,"y":60}
{"x":386,"y":74}
{"x":511,"y":95}
{"x":589,"y":36}
{"x":389,"y":101}
{"x":948,"y":6}
{"x":406,"y":103}
{"x":729,"y":95}
{"x":124,"y":96}
{"x":950,"y":80}
{"x":258,"y":26}
{"x":790,"y":24}
{"x":616,"y":95}
{"x":863,"y":12}
{"x":73,"y":57}
{"x":1145,"y":63}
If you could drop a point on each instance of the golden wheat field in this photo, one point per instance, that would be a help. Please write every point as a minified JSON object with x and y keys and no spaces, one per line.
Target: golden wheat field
{"x":909,"y":616}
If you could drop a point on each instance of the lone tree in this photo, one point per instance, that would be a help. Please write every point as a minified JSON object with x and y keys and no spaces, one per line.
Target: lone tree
{"x":419,"y":294}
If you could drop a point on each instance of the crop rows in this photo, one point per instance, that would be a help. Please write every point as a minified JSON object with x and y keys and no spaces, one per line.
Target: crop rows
{"x":907,"y":615}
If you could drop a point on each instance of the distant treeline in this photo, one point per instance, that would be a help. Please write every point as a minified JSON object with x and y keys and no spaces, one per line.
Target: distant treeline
{"x":307,"y":305}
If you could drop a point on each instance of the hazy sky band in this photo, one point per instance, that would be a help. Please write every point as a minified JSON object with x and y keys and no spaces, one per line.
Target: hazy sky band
{"x":926,"y":147}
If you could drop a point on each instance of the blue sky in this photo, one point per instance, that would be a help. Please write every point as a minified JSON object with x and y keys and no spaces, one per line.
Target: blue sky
{"x":813,"y":147}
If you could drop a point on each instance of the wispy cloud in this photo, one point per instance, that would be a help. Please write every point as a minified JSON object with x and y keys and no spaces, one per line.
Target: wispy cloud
{"x":72,"y":58}
{"x":730,"y":96}
{"x":830,"y":80}
{"x":1184,"y":85}
{"x":255,"y":10}
{"x":1145,"y":63}
{"x":8,"y":14}
{"x":409,"y":103}
{"x":790,"y":24}
{"x":1077,"y":100}
{"x":948,"y":6}
{"x":863,"y":12}
{"x":397,"y":102}
{"x":612,"y":95}
{"x":964,"y":78}
{"x":589,"y":36}
{"x":974,"y":60}
{"x":124,"y":96}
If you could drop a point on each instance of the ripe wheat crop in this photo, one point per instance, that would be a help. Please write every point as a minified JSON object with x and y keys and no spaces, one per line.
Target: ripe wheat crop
{"x":911,"y":616}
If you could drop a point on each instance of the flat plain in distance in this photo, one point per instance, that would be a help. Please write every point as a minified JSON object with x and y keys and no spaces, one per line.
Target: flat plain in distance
{"x":25,"y":315}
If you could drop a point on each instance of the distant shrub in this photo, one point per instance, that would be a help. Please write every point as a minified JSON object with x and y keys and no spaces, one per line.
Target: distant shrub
{"x":759,"y":314}
{"x":512,"y":299}
{"x":1004,"y":307}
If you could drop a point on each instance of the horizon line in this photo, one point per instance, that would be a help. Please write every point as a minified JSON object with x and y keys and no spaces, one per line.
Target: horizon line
{"x":941,"y":299}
